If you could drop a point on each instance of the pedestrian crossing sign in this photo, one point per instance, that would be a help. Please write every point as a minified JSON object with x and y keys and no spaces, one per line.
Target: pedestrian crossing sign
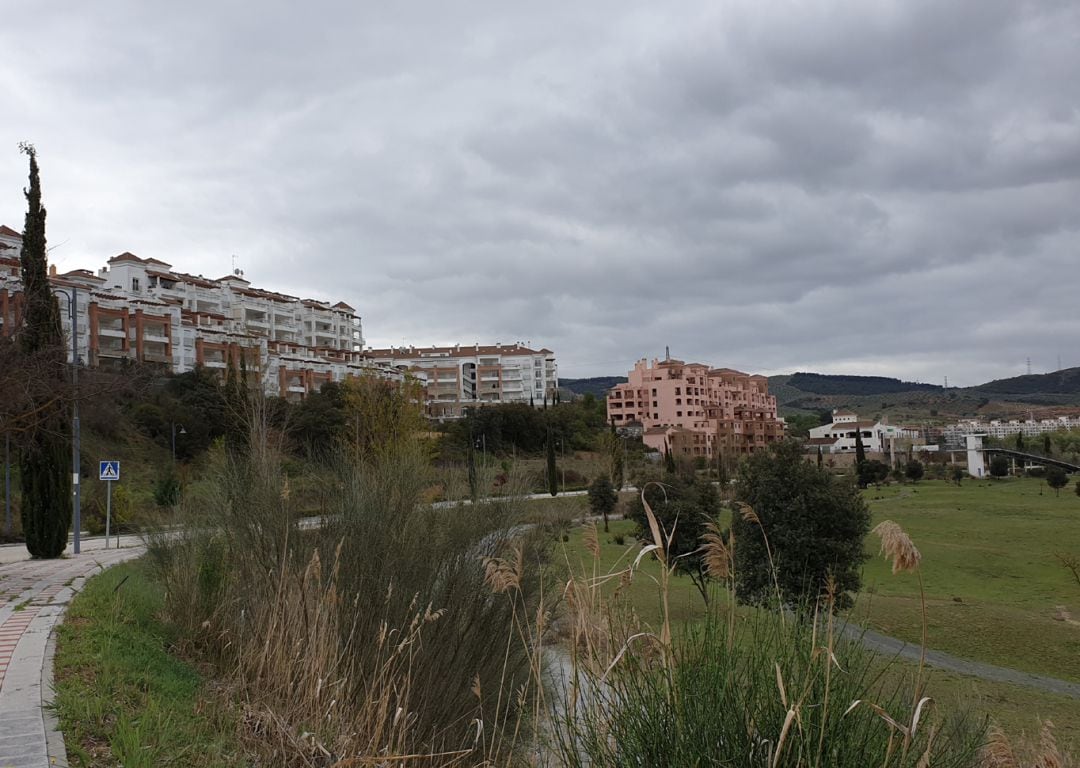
{"x":108,"y":470}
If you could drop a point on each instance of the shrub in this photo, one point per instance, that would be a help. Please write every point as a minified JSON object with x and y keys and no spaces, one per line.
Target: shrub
{"x":914,"y":471}
{"x":814,"y":525}
{"x":999,"y":466}
{"x":1037,"y":472}
{"x":726,"y":702}
{"x":303,"y":618}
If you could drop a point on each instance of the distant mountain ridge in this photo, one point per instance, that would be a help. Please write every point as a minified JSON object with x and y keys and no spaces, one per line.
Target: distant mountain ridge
{"x":806,"y":392}
{"x":597,"y":385}
{"x":843,"y":384}
{"x":1063,"y":382}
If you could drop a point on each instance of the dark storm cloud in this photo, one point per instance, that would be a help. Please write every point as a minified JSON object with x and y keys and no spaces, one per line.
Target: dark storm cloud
{"x":878,"y":187}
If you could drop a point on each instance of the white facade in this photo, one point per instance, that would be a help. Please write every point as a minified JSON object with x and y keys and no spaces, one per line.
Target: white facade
{"x":141,"y":310}
{"x":461,"y":376}
{"x":955,"y":434}
{"x":839,"y":436}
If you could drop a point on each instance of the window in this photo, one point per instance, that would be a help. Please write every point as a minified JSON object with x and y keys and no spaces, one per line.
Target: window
{"x":679,"y":414}
{"x":678,"y":391}
{"x":135,"y":284}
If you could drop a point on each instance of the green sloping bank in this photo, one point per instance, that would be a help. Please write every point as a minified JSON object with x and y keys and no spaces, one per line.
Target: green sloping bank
{"x":122,"y":696}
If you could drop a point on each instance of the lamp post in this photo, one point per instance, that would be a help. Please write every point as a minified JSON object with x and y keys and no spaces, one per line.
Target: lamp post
{"x":73,"y":309}
{"x":182,"y":432}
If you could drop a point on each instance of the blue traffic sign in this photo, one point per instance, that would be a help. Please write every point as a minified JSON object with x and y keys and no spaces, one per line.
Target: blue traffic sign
{"x":108,"y":470}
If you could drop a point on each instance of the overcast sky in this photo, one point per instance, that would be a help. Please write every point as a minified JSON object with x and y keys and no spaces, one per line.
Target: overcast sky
{"x":847,"y":187}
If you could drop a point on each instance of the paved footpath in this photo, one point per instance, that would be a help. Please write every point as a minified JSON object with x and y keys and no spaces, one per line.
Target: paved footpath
{"x":33,"y":596}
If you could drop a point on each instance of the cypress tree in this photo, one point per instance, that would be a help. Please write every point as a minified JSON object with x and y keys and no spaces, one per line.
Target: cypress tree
{"x":45,"y":458}
{"x":860,"y":451}
{"x":616,"y":458}
{"x":820,"y":456}
{"x":470,"y":460}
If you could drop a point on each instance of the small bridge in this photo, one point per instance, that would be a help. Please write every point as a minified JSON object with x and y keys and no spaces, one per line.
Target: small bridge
{"x":976,"y":450}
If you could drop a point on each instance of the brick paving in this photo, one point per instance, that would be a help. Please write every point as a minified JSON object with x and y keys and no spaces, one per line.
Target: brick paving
{"x":33,"y":595}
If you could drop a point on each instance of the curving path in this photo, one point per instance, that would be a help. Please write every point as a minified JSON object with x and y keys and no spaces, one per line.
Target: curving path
{"x":33,"y":596}
{"x":891,"y":646}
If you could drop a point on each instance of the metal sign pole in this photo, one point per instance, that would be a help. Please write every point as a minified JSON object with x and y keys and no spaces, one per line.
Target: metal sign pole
{"x":108,"y":510}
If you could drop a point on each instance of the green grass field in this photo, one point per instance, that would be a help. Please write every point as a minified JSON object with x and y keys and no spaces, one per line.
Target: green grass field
{"x":990,"y":544}
{"x":995,"y":589}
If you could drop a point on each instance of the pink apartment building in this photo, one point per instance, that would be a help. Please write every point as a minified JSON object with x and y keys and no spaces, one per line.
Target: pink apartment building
{"x":694,"y":410}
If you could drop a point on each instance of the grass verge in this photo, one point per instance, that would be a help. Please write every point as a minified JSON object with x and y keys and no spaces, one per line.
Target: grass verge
{"x":122,"y":697}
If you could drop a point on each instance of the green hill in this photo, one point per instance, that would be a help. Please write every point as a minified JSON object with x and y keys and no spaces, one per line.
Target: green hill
{"x":597,"y":385}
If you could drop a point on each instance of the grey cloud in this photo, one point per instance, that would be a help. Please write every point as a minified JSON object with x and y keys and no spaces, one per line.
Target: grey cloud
{"x":882,"y":187}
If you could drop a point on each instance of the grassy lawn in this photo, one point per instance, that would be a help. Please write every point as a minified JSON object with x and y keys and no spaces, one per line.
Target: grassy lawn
{"x":994,"y":586}
{"x":122,"y":697}
{"x":1014,"y":707}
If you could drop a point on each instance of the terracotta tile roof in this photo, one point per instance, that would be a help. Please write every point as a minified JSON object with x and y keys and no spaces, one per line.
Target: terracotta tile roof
{"x":127,"y":256}
{"x":7,"y":231}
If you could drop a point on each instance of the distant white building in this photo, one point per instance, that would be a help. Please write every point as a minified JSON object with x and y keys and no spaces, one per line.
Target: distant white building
{"x":955,"y":434}
{"x":840,"y":435}
{"x":465,"y":375}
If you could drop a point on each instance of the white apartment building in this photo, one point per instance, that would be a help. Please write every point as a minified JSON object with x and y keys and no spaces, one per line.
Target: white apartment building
{"x":955,"y":433}
{"x":141,"y":310}
{"x":460,"y":376}
{"x":839,"y":436}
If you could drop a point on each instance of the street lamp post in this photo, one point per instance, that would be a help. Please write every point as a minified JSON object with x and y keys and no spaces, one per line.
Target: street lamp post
{"x":73,"y":309}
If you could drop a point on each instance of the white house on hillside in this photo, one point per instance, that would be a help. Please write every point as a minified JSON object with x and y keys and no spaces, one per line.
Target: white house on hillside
{"x":839,"y":436}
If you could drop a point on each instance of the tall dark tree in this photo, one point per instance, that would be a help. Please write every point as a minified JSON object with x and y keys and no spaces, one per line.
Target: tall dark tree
{"x":860,"y":449}
{"x":45,"y":459}
{"x":553,"y":483}
{"x":820,"y":457}
{"x":1020,"y":442}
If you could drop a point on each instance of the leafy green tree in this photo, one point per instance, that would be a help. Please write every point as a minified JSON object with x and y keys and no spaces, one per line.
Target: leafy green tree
{"x":1056,"y":479}
{"x":45,"y":467}
{"x":602,"y":498}
{"x":999,"y":466}
{"x":1020,"y":442}
{"x":871,"y":472}
{"x":1047,"y":447}
{"x":669,"y":459}
{"x":957,"y":475}
{"x":800,"y":424}
{"x":814,"y":525}
{"x":914,"y":471}
{"x":683,"y":507}
{"x":318,"y":423}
